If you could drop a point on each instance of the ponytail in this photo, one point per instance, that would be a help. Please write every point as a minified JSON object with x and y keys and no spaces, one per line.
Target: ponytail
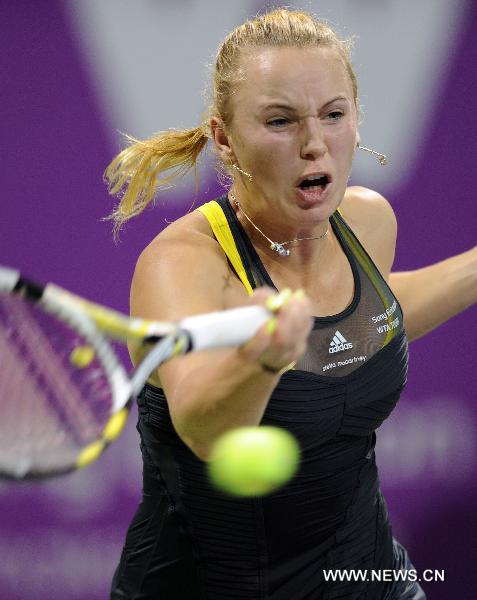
{"x":135,"y":172}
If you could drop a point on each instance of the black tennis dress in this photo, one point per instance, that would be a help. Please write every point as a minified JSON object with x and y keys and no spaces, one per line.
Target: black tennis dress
{"x":189,"y":541}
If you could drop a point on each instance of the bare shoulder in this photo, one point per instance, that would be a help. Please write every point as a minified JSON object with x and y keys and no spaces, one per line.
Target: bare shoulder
{"x":365,"y":208}
{"x":181,"y":272}
{"x":191,"y":232}
{"x":372,"y":219}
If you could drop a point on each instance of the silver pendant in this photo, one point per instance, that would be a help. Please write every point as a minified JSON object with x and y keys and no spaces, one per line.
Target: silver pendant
{"x":280,"y":249}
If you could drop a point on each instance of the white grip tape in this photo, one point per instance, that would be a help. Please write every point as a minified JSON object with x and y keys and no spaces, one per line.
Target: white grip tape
{"x":225,"y":328}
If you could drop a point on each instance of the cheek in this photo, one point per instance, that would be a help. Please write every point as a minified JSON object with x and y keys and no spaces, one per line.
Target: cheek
{"x":344,"y":142}
{"x":268,"y":153}
{"x":276,"y":150}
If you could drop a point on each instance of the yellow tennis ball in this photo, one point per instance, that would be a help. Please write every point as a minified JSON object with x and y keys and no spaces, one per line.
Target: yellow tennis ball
{"x":82,"y":356}
{"x":253,"y":461}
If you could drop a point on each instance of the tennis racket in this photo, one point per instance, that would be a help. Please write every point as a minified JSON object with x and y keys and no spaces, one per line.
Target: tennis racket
{"x":64,"y":394}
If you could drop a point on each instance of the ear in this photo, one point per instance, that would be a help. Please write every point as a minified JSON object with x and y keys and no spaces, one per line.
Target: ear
{"x":222,"y":140}
{"x":358,"y":138}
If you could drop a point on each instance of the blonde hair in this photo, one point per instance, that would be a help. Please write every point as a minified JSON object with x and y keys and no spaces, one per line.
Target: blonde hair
{"x":136,"y":172}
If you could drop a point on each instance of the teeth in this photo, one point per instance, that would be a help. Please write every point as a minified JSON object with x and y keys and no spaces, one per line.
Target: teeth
{"x":313,"y":182}
{"x":313,"y":177}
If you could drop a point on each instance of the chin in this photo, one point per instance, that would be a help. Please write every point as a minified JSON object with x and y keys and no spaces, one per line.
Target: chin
{"x":317,"y":211}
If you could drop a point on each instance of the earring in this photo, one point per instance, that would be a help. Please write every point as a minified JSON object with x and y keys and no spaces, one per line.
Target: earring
{"x":383,"y":159}
{"x":243,"y":172}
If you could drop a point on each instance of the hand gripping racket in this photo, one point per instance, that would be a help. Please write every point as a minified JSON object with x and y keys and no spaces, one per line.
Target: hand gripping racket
{"x":64,"y":394}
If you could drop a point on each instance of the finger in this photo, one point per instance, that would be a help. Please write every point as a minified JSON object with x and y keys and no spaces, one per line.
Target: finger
{"x":296,"y":319}
{"x":272,"y":299}
{"x":285,"y":334}
{"x":260,"y":295}
{"x":288,"y":337}
{"x":274,"y":302}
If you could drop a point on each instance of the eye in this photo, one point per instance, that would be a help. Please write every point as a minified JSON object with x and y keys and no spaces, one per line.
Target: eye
{"x":278,"y":123}
{"x":335,"y":115}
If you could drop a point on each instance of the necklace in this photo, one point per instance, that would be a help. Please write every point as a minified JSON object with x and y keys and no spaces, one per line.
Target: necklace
{"x":277,"y":246}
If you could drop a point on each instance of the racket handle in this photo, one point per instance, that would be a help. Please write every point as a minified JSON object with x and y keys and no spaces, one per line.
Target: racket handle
{"x":224,"y":328}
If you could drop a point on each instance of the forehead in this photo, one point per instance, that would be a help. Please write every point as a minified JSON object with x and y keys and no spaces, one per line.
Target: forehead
{"x":292,"y":74}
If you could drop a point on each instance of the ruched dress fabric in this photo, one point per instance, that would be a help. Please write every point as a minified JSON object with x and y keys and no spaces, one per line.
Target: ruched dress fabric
{"x":189,"y":541}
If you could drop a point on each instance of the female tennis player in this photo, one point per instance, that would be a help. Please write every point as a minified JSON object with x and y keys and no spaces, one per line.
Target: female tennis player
{"x":284,"y":124}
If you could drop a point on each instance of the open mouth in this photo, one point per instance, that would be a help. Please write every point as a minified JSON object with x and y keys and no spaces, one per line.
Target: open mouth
{"x":314,"y":182}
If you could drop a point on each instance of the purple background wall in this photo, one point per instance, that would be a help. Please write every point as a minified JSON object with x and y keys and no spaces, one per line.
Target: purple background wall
{"x":61,"y":539}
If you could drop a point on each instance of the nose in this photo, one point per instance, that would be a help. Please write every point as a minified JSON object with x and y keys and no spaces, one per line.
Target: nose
{"x":313,"y":143}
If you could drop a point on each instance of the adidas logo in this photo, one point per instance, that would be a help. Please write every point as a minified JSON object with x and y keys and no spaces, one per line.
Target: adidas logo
{"x":339,"y":343}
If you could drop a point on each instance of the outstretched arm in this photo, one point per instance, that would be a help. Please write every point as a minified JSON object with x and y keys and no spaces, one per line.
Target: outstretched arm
{"x":432,"y":295}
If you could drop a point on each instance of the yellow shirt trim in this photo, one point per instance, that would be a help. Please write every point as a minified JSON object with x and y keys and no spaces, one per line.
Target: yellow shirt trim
{"x":218,"y":222}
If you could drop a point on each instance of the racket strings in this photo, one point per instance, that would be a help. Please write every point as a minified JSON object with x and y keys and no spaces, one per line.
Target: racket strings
{"x":50,"y":407}
{"x":47,"y":365}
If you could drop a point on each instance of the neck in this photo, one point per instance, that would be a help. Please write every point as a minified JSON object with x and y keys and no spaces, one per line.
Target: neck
{"x":303,"y":243}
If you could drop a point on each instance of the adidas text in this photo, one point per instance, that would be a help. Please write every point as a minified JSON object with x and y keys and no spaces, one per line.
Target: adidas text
{"x":339,"y":343}
{"x":340,"y":347}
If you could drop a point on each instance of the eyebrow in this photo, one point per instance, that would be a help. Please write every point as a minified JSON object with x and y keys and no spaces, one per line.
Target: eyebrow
{"x":291,"y":109}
